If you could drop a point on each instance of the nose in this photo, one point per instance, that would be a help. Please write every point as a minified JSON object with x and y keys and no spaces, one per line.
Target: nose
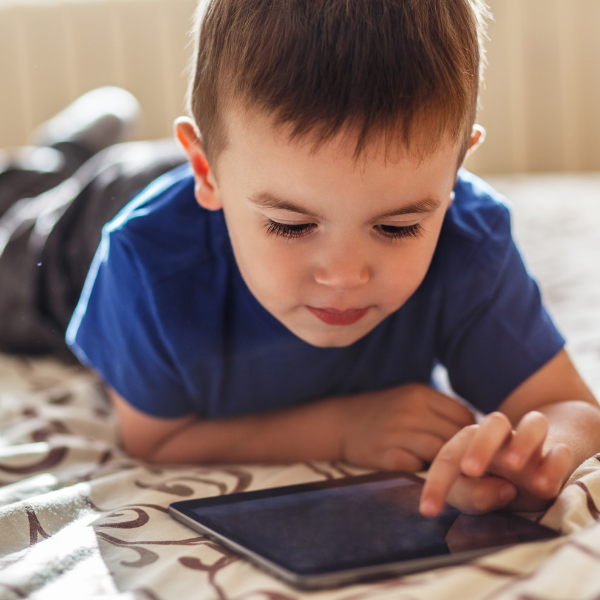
{"x":343,"y":269}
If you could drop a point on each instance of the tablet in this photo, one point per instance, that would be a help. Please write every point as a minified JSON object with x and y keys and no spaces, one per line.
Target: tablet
{"x":329,"y":533}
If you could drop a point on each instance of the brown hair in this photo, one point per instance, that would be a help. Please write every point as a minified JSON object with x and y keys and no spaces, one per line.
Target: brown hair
{"x":376,"y":67}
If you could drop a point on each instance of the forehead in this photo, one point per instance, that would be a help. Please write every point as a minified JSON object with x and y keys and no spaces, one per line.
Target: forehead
{"x":260,"y":154}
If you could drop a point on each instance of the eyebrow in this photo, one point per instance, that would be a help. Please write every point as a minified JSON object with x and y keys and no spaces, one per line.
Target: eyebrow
{"x":268,"y":200}
{"x":425,"y":205}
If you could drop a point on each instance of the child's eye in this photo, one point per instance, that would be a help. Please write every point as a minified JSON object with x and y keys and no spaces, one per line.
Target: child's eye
{"x":289,"y":231}
{"x":394,"y":232}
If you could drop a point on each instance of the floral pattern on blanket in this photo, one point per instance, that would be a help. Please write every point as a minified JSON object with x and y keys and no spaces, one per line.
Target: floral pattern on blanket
{"x":81,"y":519}
{"x":78,"y":518}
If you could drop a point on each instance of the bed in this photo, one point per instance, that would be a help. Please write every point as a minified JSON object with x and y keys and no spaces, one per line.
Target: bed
{"x":81,"y":519}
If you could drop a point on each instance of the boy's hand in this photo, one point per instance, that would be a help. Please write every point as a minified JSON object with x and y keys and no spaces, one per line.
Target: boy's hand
{"x":489,"y":465}
{"x":401,"y":428}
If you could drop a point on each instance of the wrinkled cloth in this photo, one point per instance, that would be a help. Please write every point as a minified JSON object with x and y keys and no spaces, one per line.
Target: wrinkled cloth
{"x":80,"y":519}
{"x":50,"y":228}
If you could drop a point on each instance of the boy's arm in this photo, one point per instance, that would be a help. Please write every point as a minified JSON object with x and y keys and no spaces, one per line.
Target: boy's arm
{"x":280,"y":436}
{"x":399,"y":428}
{"x":522,"y":454}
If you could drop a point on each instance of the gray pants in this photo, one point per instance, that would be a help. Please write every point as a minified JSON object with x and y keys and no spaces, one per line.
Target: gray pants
{"x":50,"y":227}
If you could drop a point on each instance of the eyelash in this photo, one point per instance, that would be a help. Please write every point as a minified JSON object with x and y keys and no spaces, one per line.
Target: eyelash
{"x":390,"y":232}
{"x":289,"y":231}
{"x":393,"y":232}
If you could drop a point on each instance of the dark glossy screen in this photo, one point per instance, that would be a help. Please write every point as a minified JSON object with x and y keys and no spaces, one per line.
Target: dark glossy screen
{"x":322,"y":530}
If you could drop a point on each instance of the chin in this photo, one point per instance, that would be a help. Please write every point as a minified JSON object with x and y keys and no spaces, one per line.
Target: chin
{"x":331,"y":339}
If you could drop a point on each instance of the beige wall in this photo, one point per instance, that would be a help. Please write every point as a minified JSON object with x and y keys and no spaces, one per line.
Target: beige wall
{"x":52,"y":51}
{"x":540,"y":104}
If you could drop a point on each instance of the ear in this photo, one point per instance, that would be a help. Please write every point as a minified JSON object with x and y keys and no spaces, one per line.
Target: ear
{"x":477,"y":138}
{"x":206,"y":189}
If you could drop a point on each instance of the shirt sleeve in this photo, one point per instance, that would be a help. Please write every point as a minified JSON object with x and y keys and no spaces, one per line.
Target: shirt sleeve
{"x":115,"y":330}
{"x":495,"y":331}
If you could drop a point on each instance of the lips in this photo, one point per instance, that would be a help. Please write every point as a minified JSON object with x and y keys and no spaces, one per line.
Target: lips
{"x":331,"y":316}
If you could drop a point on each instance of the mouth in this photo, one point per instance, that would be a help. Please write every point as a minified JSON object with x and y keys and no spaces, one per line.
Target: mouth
{"x":331,"y":316}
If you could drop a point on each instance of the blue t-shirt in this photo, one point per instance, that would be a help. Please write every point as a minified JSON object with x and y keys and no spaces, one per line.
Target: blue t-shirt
{"x":167,"y":320}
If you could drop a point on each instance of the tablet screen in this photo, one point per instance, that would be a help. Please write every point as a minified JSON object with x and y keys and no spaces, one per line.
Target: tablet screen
{"x":353,"y":523}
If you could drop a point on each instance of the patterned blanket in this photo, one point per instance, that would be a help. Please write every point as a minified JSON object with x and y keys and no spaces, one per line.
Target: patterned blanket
{"x":81,"y":519}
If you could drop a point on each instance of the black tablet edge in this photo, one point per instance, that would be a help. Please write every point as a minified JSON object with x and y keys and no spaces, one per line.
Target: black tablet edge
{"x":295,"y":488}
{"x":343,"y":577}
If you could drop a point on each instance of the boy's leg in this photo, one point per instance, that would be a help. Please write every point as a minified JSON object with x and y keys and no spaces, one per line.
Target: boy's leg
{"x":52,"y":239}
{"x":30,"y":171}
{"x":55,"y":196}
{"x":58,"y":147}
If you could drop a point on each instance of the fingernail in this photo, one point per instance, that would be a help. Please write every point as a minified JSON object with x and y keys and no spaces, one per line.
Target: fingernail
{"x":507,"y":492}
{"x":427,"y":507}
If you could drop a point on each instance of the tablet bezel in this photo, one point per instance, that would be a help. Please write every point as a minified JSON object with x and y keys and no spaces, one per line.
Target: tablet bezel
{"x":183,"y":512}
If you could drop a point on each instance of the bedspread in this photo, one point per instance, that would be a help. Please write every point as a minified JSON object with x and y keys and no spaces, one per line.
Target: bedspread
{"x":80,"y":519}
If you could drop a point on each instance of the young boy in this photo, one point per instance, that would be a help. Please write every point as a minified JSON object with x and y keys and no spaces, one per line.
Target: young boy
{"x":286,"y":296}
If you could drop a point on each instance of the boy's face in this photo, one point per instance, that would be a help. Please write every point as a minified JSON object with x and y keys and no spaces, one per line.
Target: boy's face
{"x":330,"y":246}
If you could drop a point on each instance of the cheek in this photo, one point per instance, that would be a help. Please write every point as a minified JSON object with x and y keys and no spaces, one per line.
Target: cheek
{"x":285,"y":266}
{"x":269,"y":266}
{"x":274,"y":266}
{"x":406,"y":270}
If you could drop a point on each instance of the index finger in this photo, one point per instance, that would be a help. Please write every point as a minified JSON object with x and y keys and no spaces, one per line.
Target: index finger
{"x":444,"y":471}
